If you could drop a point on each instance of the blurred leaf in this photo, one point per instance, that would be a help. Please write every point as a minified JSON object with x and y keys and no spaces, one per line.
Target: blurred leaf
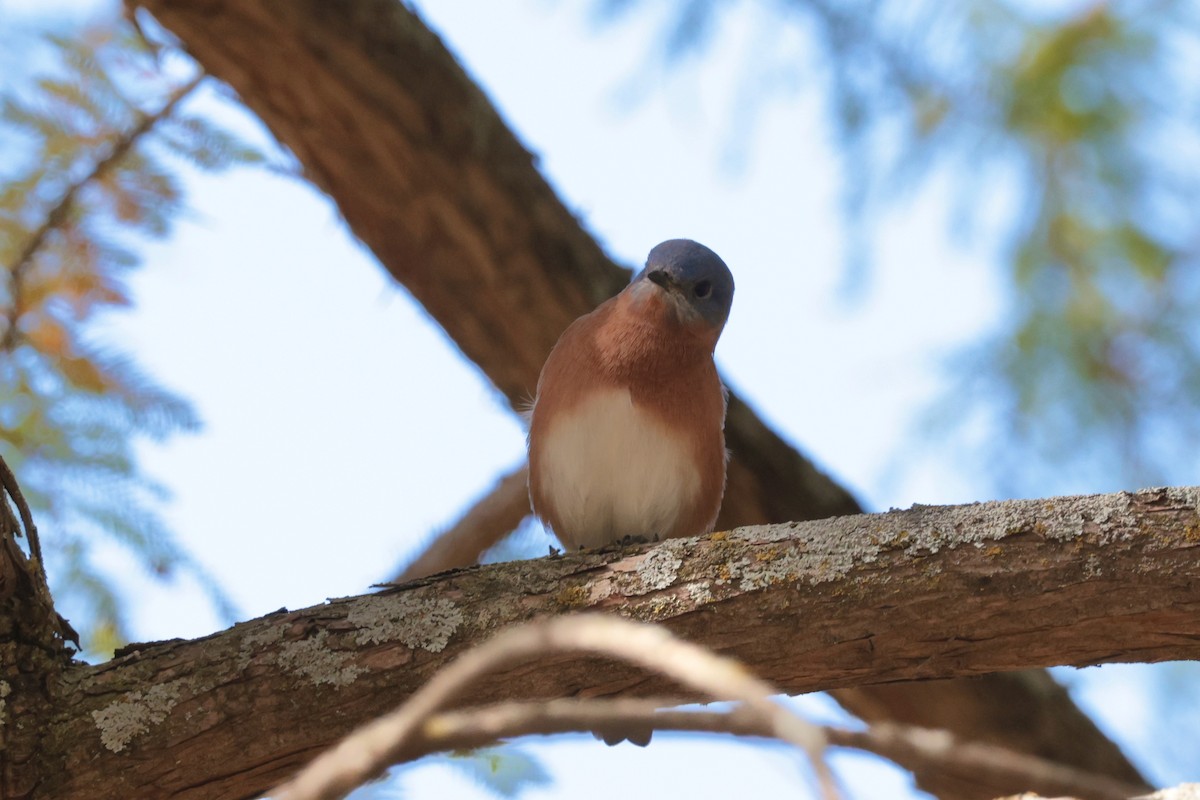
{"x":84,"y":175}
{"x":1088,"y":110}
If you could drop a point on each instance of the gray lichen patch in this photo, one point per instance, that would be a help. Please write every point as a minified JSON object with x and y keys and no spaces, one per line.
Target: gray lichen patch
{"x":1184,"y":791}
{"x":827,"y":550}
{"x":1106,"y":519}
{"x":5,"y":691}
{"x":930,"y":529}
{"x":1110,"y":515}
{"x":656,"y":608}
{"x":815,"y":552}
{"x":1185,"y":495}
{"x":255,"y":642}
{"x":121,"y":721}
{"x":700,"y":593}
{"x":773,"y":565}
{"x":660,"y":567}
{"x":652,"y":570}
{"x":417,"y":622}
{"x":313,"y":659}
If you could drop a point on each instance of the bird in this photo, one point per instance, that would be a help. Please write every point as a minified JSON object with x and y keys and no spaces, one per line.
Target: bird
{"x":627,"y":429}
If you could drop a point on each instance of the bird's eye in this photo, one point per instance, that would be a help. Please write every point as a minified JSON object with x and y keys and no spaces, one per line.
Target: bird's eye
{"x":702,"y":289}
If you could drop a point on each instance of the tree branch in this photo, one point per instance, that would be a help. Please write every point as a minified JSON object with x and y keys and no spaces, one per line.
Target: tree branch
{"x":932,"y":592}
{"x":11,"y":489}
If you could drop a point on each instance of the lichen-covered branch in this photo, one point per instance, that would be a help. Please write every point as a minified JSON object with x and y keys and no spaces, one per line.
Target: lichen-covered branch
{"x":931,"y":592}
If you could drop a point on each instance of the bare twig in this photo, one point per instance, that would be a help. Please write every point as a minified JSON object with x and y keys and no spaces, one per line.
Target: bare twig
{"x":485,"y":523}
{"x":373,"y":747}
{"x":986,"y":763}
{"x":904,"y":744}
{"x":478,"y":727}
{"x":9,"y":482}
{"x":58,"y":215}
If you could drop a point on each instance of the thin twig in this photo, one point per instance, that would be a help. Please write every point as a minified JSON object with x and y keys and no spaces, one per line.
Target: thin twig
{"x":58,"y":215}
{"x":909,"y":745}
{"x":9,"y":481}
{"x":905,"y":744}
{"x":901,"y":744}
{"x":376,"y":745}
{"x":477,"y":727}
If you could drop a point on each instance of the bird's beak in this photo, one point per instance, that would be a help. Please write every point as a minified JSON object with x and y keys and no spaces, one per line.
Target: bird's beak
{"x":661,"y":278}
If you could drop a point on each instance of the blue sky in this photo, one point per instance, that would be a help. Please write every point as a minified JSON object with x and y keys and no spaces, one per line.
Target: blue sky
{"x":342,"y":428}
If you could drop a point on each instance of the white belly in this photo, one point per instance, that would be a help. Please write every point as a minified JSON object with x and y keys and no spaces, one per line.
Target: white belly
{"x":612,"y":470}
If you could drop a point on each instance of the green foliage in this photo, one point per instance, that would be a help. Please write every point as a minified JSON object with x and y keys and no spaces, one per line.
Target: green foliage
{"x":505,"y":771}
{"x":86,"y":145}
{"x":1071,"y":133}
{"x":1098,"y":350}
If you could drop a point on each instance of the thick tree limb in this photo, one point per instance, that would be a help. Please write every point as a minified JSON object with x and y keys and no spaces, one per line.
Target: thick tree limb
{"x":909,"y":595}
{"x":429,"y":177}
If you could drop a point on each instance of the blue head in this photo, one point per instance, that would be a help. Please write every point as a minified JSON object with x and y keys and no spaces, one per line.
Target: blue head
{"x":695,"y":277}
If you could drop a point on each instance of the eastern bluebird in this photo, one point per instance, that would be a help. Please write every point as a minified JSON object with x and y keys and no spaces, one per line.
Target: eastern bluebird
{"x":627,"y":435}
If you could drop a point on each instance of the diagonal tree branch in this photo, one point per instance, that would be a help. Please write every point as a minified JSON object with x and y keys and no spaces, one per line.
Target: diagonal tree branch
{"x":484,"y":524}
{"x":9,"y":488}
{"x":928,"y":593}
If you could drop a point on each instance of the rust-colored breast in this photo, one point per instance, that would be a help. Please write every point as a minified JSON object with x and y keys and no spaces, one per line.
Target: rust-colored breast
{"x":636,"y":348}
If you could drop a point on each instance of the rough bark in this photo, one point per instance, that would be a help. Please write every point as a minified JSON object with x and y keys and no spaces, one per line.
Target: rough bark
{"x":1184,"y":791}
{"x":426,"y":173}
{"x":928,"y":593}
{"x":33,"y":652}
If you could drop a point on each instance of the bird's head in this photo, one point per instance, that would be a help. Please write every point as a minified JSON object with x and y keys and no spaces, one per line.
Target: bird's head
{"x":692,"y":279}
